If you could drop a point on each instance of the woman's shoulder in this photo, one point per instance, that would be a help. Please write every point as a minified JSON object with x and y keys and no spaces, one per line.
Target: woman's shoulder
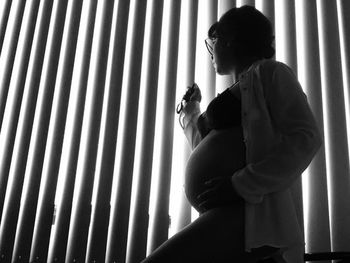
{"x":270,"y":65}
{"x":268,"y":68}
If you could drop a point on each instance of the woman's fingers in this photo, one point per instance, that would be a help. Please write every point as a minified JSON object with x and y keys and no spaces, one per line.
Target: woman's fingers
{"x":211,"y":192}
{"x":206,"y":194}
{"x":215,"y":202}
{"x":196,"y":94}
{"x":203,"y":206}
{"x":214,"y":181}
{"x":209,"y":203}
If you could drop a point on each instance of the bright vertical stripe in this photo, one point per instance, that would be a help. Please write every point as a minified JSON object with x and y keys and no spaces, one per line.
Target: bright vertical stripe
{"x":30,"y":92}
{"x":80,"y":220}
{"x":53,"y":151}
{"x":160,"y":224}
{"x":38,"y":140}
{"x":285,"y":33}
{"x":6,"y":65}
{"x":9,"y":51}
{"x":247,"y":2}
{"x":343,"y":8}
{"x":5,"y":7}
{"x":36,"y":153}
{"x":101,"y":218}
{"x":178,"y":212}
{"x":207,"y":80}
{"x":337,"y":155}
{"x":15,"y":95}
{"x":267,"y":7}
{"x":180,"y":209}
{"x":161,"y":151}
{"x":204,"y":71}
{"x":158,"y":131}
{"x":139,"y":220}
{"x":117,"y":240}
{"x":19,"y":78}
{"x":315,"y":197}
{"x":223,"y":82}
{"x":67,"y":173}
{"x":15,"y":88}
{"x":286,"y":51}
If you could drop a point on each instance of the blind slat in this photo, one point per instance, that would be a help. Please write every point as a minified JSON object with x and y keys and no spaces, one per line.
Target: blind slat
{"x":30,"y":95}
{"x":51,"y":164}
{"x":20,"y":77}
{"x":21,"y":61}
{"x":118,"y":232}
{"x":6,"y":65}
{"x":100,"y":221}
{"x":225,"y":5}
{"x":5,"y":12}
{"x":212,"y":17}
{"x":29,"y":165}
{"x":268,"y":9}
{"x":336,"y":142}
{"x":25,"y":224}
{"x":161,"y":221}
{"x":137,"y":245}
{"x":317,"y":235}
{"x":57,"y":250}
{"x":343,"y":12}
{"x":191,"y":48}
{"x":80,"y":220}
{"x":37,"y":150}
{"x":249,"y":2}
{"x":287,"y":35}
{"x":8,"y":56}
{"x":290,"y":58}
{"x":222,"y":82}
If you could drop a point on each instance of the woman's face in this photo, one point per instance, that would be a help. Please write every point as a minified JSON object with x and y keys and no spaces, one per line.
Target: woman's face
{"x":223,"y":57}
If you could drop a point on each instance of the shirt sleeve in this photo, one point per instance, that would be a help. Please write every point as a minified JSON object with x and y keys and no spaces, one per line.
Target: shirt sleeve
{"x":191,"y":112}
{"x":299,"y":140}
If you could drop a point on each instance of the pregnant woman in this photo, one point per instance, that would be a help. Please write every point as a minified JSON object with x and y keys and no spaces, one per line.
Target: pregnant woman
{"x":248,"y":148}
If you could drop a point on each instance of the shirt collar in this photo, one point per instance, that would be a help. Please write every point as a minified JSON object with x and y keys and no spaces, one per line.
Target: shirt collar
{"x":244,"y":73}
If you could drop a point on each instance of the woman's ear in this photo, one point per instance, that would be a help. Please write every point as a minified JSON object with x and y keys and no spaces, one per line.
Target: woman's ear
{"x":232,"y":43}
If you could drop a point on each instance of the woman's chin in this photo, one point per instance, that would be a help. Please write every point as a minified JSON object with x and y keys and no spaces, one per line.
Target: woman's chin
{"x":216,"y":68}
{"x":219,"y":71}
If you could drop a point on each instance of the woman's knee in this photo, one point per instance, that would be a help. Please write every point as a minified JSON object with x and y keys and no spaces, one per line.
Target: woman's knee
{"x":216,"y":235}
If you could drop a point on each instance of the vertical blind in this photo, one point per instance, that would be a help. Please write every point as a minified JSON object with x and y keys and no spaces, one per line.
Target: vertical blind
{"x":92,"y":156}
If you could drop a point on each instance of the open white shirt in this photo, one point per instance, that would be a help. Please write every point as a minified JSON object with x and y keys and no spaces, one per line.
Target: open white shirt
{"x":281,"y":138}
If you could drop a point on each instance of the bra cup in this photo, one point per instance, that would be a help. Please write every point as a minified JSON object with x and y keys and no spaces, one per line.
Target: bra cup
{"x":203,"y":125}
{"x":224,"y":111}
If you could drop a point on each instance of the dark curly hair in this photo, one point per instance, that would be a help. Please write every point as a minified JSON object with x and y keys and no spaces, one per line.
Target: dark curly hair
{"x":248,"y":28}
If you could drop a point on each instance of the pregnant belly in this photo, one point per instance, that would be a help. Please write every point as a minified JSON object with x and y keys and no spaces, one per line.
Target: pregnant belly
{"x":220,"y":153}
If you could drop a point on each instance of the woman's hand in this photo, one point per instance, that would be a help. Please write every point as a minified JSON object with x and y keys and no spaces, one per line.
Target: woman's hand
{"x":196,"y":95}
{"x":192,"y":94}
{"x":221,"y":192}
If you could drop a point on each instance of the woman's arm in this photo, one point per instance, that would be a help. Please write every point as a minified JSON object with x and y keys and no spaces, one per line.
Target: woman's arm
{"x":299,"y":141}
{"x":192,"y":112}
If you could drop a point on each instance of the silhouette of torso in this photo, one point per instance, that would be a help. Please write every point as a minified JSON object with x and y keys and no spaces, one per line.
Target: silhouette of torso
{"x":222,"y":150}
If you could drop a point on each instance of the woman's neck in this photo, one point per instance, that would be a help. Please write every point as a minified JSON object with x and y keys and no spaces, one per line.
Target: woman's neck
{"x":242,"y":67}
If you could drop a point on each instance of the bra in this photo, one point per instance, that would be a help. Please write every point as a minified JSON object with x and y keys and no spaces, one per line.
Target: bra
{"x":223,"y":112}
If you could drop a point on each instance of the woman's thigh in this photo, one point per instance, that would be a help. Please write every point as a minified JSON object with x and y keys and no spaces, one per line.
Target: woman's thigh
{"x":216,"y":236}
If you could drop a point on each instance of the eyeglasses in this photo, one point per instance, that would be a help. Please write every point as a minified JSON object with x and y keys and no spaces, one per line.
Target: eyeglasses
{"x":209,"y":43}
